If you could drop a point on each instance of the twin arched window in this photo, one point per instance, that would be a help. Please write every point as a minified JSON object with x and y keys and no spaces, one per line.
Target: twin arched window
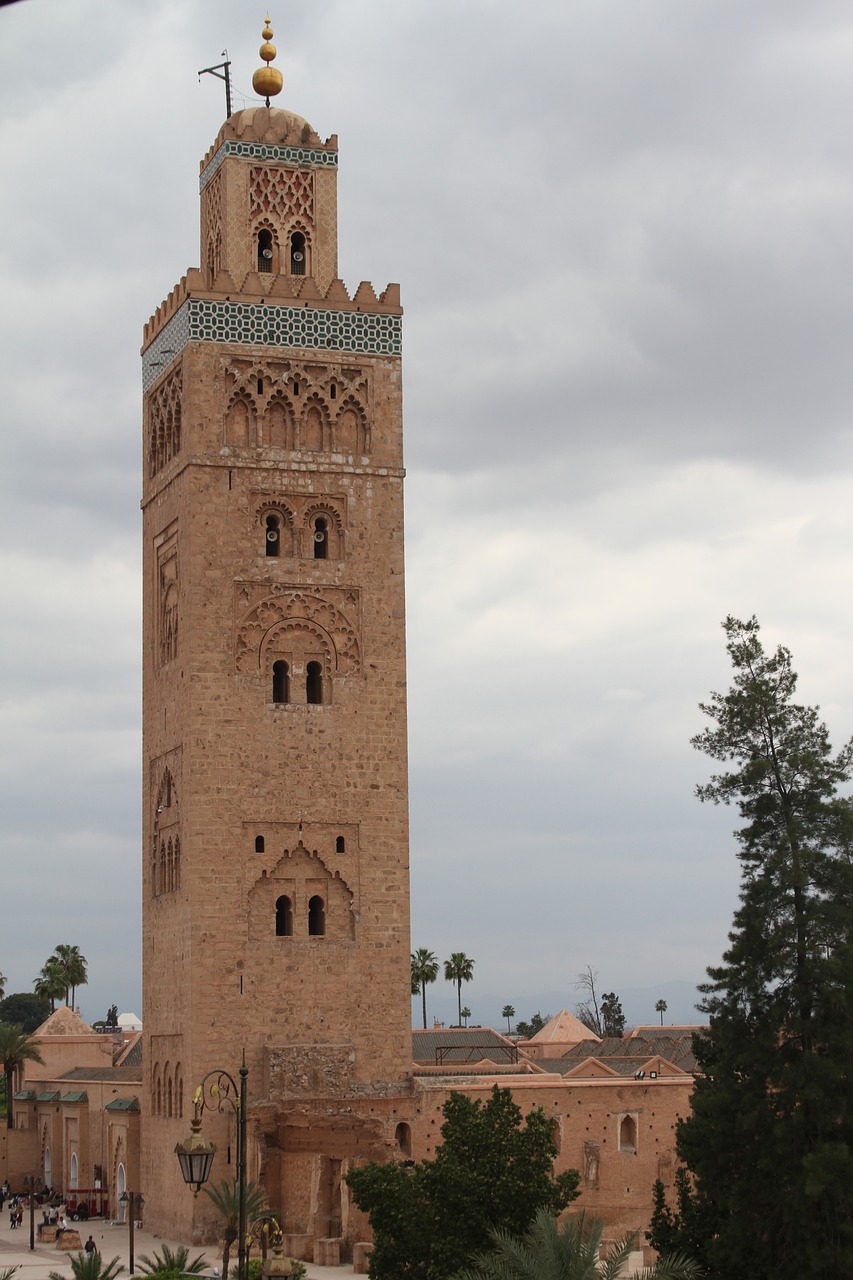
{"x":281,"y":683}
{"x":298,"y":253}
{"x":284,"y":917}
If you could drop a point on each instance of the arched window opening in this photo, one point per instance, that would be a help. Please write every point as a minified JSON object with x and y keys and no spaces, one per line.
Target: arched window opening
{"x":297,"y":254}
{"x":177,"y":862}
{"x":259,"y":844}
{"x":179,"y":1092}
{"x":321,"y":538}
{"x":628,"y":1134}
{"x":314,"y":683}
{"x":158,"y":1098}
{"x":72,"y":1185}
{"x":284,"y":917}
{"x":273,"y":535}
{"x":316,"y":917}
{"x":265,"y":250}
{"x":340,"y":845}
{"x":403,"y":1139}
{"x":169,"y":1097}
{"x":333,"y":392}
{"x":280,"y":682}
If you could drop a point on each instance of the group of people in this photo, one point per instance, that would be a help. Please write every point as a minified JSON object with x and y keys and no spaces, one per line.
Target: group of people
{"x":50,"y":1215}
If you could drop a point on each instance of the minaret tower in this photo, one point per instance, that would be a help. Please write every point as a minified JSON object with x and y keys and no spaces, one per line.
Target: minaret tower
{"x":276,"y":909}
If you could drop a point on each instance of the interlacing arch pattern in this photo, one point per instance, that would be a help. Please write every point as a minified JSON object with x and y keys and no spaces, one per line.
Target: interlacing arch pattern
{"x":211,"y":226}
{"x":262,"y":629}
{"x":300,"y":409}
{"x":164,"y":421}
{"x":281,"y":194}
{"x":167,"y":1090}
{"x":166,"y":843}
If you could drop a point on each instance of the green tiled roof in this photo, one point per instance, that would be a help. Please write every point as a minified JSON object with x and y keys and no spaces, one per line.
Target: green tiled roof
{"x":75,"y":1097}
{"x":50,"y":1095}
{"x":123,"y":1104}
{"x":25,"y":1095}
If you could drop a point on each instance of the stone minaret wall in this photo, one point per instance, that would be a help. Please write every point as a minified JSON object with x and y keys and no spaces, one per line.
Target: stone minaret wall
{"x":276,"y":908}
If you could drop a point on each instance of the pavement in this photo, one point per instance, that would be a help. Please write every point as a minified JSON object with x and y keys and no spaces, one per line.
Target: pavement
{"x":112,"y":1240}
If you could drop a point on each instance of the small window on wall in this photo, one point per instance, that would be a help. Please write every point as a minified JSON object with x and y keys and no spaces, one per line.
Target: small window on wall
{"x":297,"y":254}
{"x":259,"y":844}
{"x":314,"y":683}
{"x":340,"y":845}
{"x":280,"y":682}
{"x":628,"y":1134}
{"x":316,"y":917}
{"x":321,"y":539}
{"x":272,"y":540}
{"x":265,"y":250}
{"x":284,"y":917}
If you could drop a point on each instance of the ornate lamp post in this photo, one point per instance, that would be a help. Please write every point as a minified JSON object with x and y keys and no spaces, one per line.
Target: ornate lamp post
{"x":134,"y":1201}
{"x":195,"y":1154}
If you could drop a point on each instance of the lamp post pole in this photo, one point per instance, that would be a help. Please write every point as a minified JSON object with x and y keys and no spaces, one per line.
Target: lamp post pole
{"x":195,"y":1154}
{"x":134,"y":1201}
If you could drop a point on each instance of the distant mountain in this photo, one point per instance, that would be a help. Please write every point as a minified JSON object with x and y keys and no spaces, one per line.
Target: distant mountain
{"x":638,"y":1004}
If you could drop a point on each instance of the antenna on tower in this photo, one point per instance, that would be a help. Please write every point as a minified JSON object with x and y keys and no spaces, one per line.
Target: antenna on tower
{"x":222,"y":71}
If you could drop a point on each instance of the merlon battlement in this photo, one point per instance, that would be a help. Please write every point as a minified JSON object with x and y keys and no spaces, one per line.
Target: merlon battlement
{"x":257,"y":289}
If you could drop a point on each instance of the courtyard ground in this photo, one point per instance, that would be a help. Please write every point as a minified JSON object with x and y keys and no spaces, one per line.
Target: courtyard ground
{"x":112,"y":1241}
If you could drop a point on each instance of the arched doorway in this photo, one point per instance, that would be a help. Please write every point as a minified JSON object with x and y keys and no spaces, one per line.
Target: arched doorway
{"x":121,"y":1187}
{"x":72,"y":1179}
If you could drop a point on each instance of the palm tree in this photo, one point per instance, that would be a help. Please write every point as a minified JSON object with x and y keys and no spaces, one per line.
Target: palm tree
{"x":424,"y":970}
{"x":50,"y":984}
{"x":16,"y":1048}
{"x":660,"y":1008}
{"x":459,"y":969}
{"x":226,"y":1200}
{"x":90,"y":1266}
{"x":73,"y":966}
{"x":567,"y":1252}
{"x":2,"y":985}
{"x":465,"y":1014}
{"x":508,"y":1012}
{"x":172,"y":1262}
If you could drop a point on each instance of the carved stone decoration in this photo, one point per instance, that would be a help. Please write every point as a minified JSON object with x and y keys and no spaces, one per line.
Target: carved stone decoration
{"x":591,"y":1152}
{"x":168,"y":589}
{"x":294,"y":609}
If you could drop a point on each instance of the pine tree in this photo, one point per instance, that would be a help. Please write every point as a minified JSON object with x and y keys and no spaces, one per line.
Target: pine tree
{"x":770,"y":1136}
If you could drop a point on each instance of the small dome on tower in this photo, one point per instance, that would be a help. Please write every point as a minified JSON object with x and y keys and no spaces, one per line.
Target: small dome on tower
{"x":268,"y":80}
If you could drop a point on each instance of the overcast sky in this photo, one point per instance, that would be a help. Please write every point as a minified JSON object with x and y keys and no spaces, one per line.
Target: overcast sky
{"x":624,"y":235}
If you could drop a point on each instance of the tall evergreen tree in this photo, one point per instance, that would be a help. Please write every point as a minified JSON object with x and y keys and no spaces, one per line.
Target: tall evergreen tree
{"x":770,"y":1137}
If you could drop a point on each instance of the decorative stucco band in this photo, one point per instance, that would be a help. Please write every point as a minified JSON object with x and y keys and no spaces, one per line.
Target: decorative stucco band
{"x":264,"y":151}
{"x":251,"y":323}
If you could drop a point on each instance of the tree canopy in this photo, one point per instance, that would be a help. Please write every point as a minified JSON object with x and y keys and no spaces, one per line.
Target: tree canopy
{"x":424,"y":971}
{"x":459,"y":968}
{"x":568,"y":1251}
{"x":16,"y":1048}
{"x":25,"y":1008}
{"x":494,"y":1168}
{"x":769,"y":1140}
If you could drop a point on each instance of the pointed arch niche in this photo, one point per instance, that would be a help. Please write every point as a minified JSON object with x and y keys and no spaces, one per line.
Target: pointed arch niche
{"x":301,"y":900}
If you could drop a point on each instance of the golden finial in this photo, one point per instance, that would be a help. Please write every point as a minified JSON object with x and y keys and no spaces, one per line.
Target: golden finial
{"x":267,"y":81}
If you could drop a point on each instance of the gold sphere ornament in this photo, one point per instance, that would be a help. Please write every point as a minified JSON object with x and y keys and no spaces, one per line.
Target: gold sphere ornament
{"x":267,"y":81}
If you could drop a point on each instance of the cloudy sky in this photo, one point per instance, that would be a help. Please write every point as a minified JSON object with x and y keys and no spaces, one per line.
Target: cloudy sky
{"x":624,"y":235}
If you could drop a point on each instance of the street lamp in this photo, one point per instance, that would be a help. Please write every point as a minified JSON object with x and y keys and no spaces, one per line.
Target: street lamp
{"x":195,"y":1154}
{"x":134,"y":1201}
